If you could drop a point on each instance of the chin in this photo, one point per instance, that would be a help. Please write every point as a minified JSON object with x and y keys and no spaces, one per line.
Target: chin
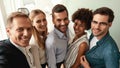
{"x":63,"y":31}
{"x":96,"y":35}
{"x":25,"y":44}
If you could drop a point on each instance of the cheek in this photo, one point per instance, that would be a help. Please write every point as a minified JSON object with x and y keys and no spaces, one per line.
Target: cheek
{"x":56,"y":24}
{"x":45,"y":23}
{"x":35,"y":24}
{"x":67,"y":23}
{"x":30,"y":34}
{"x":82,"y":29}
{"x":104,"y":28}
{"x":11,"y":33}
{"x":15,"y":37}
{"x":92,"y":25}
{"x":74,"y":27}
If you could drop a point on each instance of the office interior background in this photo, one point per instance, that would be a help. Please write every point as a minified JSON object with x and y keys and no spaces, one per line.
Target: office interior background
{"x":8,"y":6}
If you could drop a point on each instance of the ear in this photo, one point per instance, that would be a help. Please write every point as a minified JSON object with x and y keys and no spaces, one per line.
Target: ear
{"x":68,"y":20}
{"x":110,"y":24}
{"x":53,"y":20}
{"x":8,"y":31}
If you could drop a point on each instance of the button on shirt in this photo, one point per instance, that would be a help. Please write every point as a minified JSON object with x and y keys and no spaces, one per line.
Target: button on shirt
{"x":56,"y":47}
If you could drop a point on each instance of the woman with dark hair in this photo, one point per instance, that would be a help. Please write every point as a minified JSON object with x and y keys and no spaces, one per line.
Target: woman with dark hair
{"x":80,"y":44}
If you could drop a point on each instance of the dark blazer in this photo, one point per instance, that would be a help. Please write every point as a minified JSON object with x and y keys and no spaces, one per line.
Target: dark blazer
{"x":11,"y":57}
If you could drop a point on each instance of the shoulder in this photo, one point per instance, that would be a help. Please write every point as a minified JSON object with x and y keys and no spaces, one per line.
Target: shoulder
{"x":83,"y":40}
{"x":50,"y":41}
{"x":4,"y":48}
{"x":111,"y":50}
{"x":51,"y":34}
{"x":3,"y":44}
{"x":110,"y":44}
{"x":83,"y":45}
{"x":50,"y":37}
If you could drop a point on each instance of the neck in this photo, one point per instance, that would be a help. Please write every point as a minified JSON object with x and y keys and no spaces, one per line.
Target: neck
{"x":78,"y":36}
{"x":65,"y":34}
{"x":101,"y":36}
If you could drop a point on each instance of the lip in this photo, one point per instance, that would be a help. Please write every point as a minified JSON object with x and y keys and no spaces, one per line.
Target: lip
{"x":96,"y":30}
{"x":25,"y":39}
{"x":63,"y":27}
{"x":76,"y":31}
{"x":42,"y":27}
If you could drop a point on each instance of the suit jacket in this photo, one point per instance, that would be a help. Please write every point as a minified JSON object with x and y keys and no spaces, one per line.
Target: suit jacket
{"x":11,"y":57}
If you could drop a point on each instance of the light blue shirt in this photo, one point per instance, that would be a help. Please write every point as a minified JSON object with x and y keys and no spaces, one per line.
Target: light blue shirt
{"x":56,"y":47}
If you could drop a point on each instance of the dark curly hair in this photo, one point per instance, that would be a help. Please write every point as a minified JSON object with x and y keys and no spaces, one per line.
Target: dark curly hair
{"x":84,"y":15}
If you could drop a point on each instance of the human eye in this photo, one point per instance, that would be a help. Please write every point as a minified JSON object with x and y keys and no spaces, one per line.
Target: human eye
{"x":66,"y":19}
{"x":94,"y":22}
{"x":81,"y":25}
{"x":44,"y":20}
{"x":38,"y":21}
{"x":20,"y":29}
{"x":103,"y":23}
{"x":29,"y":29}
{"x":58,"y":20}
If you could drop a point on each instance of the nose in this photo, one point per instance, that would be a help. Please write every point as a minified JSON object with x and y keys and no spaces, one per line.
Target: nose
{"x":62,"y":22}
{"x":27,"y":32}
{"x":97,"y":25}
{"x":76,"y":27}
{"x":42,"y":23}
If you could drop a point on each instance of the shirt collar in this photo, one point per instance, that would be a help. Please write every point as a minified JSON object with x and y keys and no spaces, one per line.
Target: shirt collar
{"x":101,"y":41}
{"x":19,"y":47}
{"x":60,"y":34}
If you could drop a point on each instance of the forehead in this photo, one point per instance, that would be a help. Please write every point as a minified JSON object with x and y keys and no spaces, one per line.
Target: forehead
{"x":60,"y":15}
{"x":100,"y":18}
{"x":21,"y":22}
{"x":41,"y":15}
{"x":79,"y":22}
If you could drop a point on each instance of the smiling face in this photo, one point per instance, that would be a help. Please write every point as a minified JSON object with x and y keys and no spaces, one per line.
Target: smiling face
{"x":79,"y":28}
{"x":40,"y":22}
{"x":100,"y":25}
{"x":20,"y":31}
{"x":61,"y":21}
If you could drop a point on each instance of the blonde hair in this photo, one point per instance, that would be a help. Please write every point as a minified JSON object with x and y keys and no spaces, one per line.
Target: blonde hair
{"x":15,"y":15}
{"x":35,"y":13}
{"x":38,"y":39}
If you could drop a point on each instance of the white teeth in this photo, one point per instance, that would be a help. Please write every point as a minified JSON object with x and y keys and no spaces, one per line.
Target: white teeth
{"x":96,"y":30}
{"x":76,"y":31}
{"x":25,"y":39}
